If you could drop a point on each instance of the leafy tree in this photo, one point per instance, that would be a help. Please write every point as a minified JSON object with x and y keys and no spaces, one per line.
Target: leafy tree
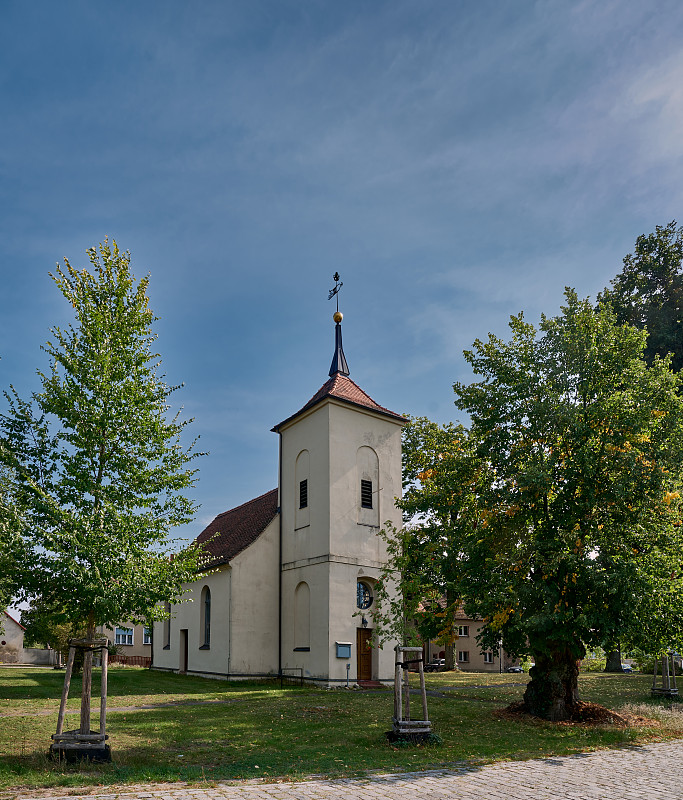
{"x":648,"y":292}
{"x":441,"y":472}
{"x":566,"y":529}
{"x":12,"y":551}
{"x":96,"y":462}
{"x":42,"y":629}
{"x":580,"y":537}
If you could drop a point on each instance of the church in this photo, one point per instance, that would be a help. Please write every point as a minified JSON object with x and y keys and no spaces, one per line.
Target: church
{"x":294,"y":570}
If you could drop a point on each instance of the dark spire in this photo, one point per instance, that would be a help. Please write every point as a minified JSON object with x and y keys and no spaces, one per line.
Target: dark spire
{"x":339,"y":364}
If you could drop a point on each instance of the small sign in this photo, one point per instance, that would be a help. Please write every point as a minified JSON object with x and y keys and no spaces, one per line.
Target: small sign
{"x":343,"y":649}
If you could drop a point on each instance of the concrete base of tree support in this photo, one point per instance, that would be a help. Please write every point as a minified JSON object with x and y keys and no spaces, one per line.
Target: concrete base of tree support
{"x":76,"y":746}
{"x":410,"y":730}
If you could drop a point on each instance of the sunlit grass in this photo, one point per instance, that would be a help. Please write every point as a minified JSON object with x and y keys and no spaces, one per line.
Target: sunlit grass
{"x":260,"y":729}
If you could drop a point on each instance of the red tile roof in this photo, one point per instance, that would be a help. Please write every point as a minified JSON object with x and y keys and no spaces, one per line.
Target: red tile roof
{"x":234,"y":530}
{"x":341,"y":387}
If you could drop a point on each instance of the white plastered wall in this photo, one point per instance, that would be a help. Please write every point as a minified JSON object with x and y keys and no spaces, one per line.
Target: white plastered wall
{"x":340,"y":543}
{"x":11,"y":640}
{"x":244,"y":616}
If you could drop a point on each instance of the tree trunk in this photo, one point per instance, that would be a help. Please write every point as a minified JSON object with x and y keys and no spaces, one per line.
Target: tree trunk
{"x":613,"y":660}
{"x":553,"y":690}
{"x":86,"y":692}
{"x":451,"y":645}
{"x":449,"y":655}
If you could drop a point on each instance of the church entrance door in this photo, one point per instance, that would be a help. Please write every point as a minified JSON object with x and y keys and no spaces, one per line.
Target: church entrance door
{"x":363,"y":654}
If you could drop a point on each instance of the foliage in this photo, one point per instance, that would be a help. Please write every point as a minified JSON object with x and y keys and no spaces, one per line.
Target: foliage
{"x":593,"y":664}
{"x":646,"y":664}
{"x":579,"y":534}
{"x":42,"y":629}
{"x":441,"y":476}
{"x":648,"y":292}
{"x":95,"y":463}
{"x":13,"y":553}
{"x":558,"y":515}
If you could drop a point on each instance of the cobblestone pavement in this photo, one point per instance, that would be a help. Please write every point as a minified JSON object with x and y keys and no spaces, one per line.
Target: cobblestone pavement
{"x":651,"y":772}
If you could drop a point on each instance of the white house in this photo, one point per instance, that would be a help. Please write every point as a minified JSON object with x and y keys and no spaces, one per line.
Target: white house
{"x":11,"y":640}
{"x":296,"y":567}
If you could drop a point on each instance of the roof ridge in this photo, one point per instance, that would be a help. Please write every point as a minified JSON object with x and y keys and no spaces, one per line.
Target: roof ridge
{"x":230,"y":532}
{"x":334,"y":388}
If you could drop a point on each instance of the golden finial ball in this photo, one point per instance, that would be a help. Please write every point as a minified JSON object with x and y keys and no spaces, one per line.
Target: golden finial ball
{"x":337,"y":316}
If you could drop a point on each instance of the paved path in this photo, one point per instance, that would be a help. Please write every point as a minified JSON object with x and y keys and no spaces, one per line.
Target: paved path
{"x":652,"y":772}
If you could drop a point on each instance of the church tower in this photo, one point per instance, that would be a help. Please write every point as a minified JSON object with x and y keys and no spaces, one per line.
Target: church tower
{"x":340,"y":470}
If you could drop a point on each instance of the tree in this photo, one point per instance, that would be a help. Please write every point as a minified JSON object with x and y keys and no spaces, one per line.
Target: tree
{"x":12,"y":550}
{"x":441,"y":472}
{"x":42,"y":629}
{"x":580,"y":539}
{"x":96,"y":462}
{"x":648,"y":292}
{"x":568,"y":529}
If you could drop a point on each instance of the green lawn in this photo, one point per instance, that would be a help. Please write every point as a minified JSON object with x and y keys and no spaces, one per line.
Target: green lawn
{"x":261,"y":730}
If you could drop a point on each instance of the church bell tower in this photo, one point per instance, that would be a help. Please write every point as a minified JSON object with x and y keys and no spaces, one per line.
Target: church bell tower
{"x":340,"y":471}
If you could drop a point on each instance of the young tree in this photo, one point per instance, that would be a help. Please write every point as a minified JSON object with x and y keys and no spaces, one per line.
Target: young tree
{"x":579,"y":539}
{"x":96,"y":462}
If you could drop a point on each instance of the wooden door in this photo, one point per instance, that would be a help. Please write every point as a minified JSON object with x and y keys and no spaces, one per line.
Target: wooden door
{"x":363,"y":654}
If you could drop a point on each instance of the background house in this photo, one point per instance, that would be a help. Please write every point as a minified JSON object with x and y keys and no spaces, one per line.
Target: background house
{"x":133,"y":643}
{"x":12,"y":640}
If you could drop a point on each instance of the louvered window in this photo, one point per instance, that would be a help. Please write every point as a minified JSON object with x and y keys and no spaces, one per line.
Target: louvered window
{"x":303,"y":494}
{"x":366,"y":494}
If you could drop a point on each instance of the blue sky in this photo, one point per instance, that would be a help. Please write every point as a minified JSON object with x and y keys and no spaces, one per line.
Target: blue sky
{"x":456,"y":162}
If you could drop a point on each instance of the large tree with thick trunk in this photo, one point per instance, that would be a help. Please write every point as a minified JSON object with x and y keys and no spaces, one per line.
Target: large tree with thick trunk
{"x":578,"y":539}
{"x":557,"y":515}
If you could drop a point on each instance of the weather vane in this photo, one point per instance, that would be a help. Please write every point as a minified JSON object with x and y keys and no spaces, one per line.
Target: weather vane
{"x":337,"y":286}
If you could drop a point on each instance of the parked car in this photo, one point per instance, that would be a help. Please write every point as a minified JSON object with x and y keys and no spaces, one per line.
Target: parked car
{"x":435,"y":665}
{"x":626,"y":668}
{"x":514,"y":669}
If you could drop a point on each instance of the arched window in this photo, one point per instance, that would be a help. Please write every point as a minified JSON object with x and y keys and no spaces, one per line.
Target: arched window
{"x":302,"y":617}
{"x":206,"y":618}
{"x":364,"y":596}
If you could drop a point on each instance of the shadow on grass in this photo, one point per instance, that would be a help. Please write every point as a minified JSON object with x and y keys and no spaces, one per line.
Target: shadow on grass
{"x":291,"y":735}
{"x":46,"y":684}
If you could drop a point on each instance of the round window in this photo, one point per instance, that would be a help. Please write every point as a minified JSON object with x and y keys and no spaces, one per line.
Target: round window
{"x":363,"y":595}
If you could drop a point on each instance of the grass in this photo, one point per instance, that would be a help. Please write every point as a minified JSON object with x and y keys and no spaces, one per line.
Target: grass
{"x":261,"y":730}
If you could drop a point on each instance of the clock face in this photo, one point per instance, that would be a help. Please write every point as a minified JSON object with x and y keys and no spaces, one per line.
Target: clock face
{"x":363,"y":595}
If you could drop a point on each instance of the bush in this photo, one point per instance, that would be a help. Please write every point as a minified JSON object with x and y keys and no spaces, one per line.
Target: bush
{"x":646,"y":665}
{"x":593,"y":664}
